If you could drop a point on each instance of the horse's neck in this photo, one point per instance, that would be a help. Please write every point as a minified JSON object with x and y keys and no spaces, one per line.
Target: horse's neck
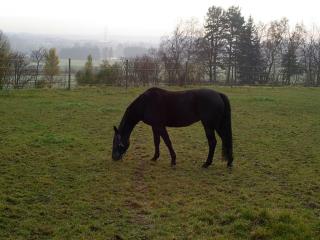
{"x":129,"y":120}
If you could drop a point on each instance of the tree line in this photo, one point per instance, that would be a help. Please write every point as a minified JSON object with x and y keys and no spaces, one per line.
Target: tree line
{"x":17,"y":69}
{"x":239,"y":51}
{"x":227,"y":49}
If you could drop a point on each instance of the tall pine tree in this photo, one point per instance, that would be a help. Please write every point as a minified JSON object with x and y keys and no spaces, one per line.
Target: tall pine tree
{"x":215,"y":27}
{"x":249,"y":55}
{"x":234,"y":22}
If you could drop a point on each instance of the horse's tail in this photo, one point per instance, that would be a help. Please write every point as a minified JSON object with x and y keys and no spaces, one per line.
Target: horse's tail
{"x":226,"y":131}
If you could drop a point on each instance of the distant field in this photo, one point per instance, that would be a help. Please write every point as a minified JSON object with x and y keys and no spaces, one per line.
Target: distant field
{"x":57,"y":179}
{"x":77,"y":64}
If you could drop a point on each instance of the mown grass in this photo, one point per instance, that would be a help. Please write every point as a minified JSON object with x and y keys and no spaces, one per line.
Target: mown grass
{"x":57,"y":179}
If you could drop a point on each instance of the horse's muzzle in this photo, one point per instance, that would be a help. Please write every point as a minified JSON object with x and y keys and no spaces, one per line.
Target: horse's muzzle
{"x":116,"y":156}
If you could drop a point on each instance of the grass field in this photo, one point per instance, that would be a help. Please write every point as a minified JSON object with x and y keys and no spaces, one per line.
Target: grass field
{"x":57,"y":179}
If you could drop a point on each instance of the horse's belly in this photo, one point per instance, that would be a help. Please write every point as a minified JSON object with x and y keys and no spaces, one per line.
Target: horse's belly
{"x":181,"y":121}
{"x":177,"y":124}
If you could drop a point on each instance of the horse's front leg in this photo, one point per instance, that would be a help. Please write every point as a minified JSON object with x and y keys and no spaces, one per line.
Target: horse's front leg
{"x":165,"y":136}
{"x":156,"y":141}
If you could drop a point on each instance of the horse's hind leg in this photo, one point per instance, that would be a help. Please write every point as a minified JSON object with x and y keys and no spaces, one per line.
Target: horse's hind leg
{"x":226,"y":145}
{"x":212,"y":142}
{"x":156,"y":140}
{"x":165,"y":136}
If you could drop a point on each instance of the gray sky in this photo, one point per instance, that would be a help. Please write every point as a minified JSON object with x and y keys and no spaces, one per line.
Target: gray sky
{"x":137,"y":17}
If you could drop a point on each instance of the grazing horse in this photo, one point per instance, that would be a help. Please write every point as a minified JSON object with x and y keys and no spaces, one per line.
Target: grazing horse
{"x":160,"y":108}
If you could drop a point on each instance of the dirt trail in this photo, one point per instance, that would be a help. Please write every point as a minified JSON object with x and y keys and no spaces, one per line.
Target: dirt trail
{"x":139,"y":201}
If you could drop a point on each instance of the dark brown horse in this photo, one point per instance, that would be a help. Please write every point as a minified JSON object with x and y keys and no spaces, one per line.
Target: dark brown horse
{"x":160,"y":109}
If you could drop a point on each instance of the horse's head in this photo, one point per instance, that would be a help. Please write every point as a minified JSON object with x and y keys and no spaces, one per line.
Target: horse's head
{"x":120,"y":145}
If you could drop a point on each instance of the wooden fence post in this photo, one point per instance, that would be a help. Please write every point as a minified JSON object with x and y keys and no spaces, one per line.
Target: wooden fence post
{"x":127,"y":68}
{"x":69,"y":75}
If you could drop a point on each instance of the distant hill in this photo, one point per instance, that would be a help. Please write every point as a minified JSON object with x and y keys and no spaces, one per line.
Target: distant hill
{"x":80,"y":47}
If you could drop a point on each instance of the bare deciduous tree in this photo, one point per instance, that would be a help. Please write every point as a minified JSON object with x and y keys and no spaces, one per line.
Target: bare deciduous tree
{"x":38,"y":57}
{"x":272,"y":46}
{"x":20,"y":73}
{"x":179,"y":49}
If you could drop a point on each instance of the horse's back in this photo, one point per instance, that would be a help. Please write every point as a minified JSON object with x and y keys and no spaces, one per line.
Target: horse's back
{"x":180,"y":108}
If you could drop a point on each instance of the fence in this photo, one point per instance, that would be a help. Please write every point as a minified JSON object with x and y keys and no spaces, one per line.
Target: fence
{"x":128,"y":73}
{"x":19,"y":74}
{"x":136,"y":73}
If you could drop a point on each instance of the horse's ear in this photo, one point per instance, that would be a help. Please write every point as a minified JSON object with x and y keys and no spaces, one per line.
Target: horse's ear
{"x":115,"y":129}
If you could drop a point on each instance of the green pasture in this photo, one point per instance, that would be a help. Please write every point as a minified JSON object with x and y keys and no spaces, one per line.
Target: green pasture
{"x":57,"y":179}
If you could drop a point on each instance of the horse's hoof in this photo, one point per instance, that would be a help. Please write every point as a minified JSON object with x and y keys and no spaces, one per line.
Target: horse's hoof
{"x":205,"y":165}
{"x":154,"y":159}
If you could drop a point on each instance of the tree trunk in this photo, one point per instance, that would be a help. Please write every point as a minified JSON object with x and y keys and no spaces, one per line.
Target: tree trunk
{"x":269,"y":69}
{"x":214,"y":68}
{"x":210,"y":61}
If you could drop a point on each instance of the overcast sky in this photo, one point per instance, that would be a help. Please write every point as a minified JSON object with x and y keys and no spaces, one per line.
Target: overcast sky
{"x":136,"y":17}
